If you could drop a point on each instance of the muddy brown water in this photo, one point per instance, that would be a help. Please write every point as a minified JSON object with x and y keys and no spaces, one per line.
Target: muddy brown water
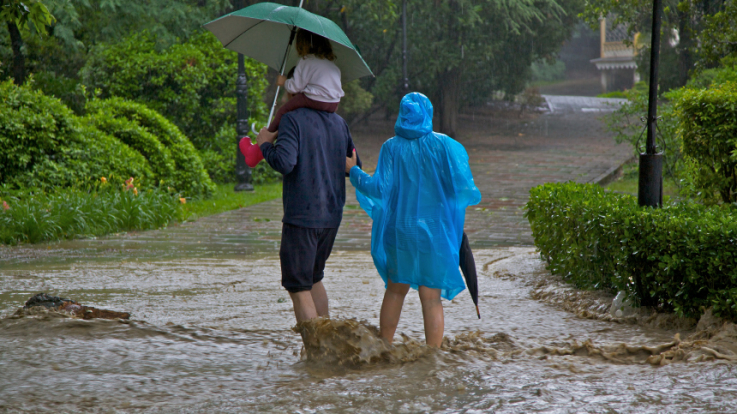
{"x":216,"y":335}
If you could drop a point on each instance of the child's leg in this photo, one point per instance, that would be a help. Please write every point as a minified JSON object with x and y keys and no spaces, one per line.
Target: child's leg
{"x":298,"y":101}
{"x":432,"y":313}
{"x":391,"y":309}
{"x":321,"y":106}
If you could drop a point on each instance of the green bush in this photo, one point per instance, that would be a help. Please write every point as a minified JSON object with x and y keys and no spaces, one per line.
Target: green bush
{"x":220,"y":160}
{"x":627,"y":125}
{"x":356,"y":100}
{"x":708,"y":125}
{"x":135,"y":136}
{"x":189,"y":174}
{"x":682,"y":257}
{"x":192,"y":84}
{"x":36,"y":216}
{"x":43,"y":144}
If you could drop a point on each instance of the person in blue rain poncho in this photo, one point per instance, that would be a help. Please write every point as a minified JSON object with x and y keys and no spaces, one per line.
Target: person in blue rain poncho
{"x":417,"y":199}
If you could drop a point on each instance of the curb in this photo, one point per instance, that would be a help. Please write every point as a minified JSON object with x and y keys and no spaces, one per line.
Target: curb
{"x":613,"y":173}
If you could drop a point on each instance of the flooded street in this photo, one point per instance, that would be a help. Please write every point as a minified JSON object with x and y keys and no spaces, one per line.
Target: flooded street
{"x":211,"y":328}
{"x":215,"y":335}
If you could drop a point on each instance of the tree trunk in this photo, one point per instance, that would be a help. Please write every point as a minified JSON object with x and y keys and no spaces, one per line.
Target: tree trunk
{"x":684,"y":47}
{"x":449,"y":94}
{"x":19,"y":61}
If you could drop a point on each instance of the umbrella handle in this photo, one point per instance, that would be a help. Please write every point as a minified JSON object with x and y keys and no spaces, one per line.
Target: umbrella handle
{"x":276,"y":96}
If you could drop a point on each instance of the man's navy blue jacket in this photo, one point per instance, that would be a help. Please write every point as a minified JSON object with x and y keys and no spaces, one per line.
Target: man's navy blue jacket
{"x":310,"y":152}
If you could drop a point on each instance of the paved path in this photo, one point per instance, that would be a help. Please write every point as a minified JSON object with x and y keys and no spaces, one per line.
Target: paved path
{"x":509,"y":155}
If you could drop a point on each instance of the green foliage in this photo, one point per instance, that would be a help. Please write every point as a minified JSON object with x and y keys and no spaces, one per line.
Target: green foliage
{"x":43,"y":144}
{"x":708,"y":124}
{"x":718,"y":38}
{"x":192,"y":84}
{"x":543,"y":71}
{"x":356,"y":100}
{"x":627,"y":124}
{"x":101,"y":114}
{"x":21,"y":13}
{"x":219,"y":160}
{"x":69,"y":213}
{"x":682,"y":257}
{"x":726,"y":72}
{"x":188,"y":173}
{"x":613,"y":94}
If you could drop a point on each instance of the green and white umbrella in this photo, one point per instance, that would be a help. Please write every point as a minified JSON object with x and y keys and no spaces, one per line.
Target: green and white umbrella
{"x":265,"y":32}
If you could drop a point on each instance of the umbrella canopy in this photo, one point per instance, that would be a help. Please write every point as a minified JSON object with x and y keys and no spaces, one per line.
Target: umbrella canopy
{"x":262,"y":32}
{"x":468,"y":268}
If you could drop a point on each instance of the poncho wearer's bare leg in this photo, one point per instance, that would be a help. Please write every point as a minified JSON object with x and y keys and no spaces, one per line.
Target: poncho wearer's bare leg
{"x":309,"y":304}
{"x":432,"y":313}
{"x":391,"y":309}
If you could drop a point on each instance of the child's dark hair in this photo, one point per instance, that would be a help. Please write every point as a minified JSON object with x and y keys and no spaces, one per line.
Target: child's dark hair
{"x":309,"y":43}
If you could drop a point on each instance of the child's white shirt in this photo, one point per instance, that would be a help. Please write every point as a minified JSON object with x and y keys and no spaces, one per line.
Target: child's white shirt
{"x":318,"y":79}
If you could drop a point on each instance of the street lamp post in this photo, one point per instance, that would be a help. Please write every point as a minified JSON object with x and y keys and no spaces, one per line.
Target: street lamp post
{"x":242,"y":171}
{"x":405,"y":79}
{"x":650,"y":189}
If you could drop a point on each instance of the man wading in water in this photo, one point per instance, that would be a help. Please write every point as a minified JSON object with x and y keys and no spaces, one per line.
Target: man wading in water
{"x":311,"y":154}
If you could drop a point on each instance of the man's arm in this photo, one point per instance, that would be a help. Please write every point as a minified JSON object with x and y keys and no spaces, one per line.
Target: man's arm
{"x":281,"y":156}
{"x":350,"y":151}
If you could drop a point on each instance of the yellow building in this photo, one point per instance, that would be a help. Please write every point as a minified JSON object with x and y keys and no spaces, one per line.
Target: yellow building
{"x":616,"y":64}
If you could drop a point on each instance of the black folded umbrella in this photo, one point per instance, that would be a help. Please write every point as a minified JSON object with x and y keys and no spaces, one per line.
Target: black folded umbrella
{"x":468,"y":267}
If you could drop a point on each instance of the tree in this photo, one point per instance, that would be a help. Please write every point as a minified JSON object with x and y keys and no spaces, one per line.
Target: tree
{"x":692,"y":33}
{"x":19,"y":16}
{"x":463,"y":50}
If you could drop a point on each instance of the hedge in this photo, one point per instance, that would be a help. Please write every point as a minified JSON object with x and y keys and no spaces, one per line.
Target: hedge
{"x":708,"y":126}
{"x":192,"y":84}
{"x":43,"y":144}
{"x":181,"y":165}
{"x":682,"y":257}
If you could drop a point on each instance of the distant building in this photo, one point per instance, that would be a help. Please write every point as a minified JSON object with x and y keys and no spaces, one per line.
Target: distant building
{"x":616,"y":64}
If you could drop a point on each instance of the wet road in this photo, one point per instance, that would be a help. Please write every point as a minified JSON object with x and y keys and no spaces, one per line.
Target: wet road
{"x":211,"y":327}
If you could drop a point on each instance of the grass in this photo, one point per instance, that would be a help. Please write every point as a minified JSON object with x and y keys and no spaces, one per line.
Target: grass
{"x":32,"y":216}
{"x":628,"y":183}
{"x":225,"y":199}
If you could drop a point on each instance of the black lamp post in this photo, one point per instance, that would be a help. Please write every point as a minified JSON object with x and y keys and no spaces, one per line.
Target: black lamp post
{"x":242,"y":171}
{"x":405,"y":79}
{"x":650,"y":189}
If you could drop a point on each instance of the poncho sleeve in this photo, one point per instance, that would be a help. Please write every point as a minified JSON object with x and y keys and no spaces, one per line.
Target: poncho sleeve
{"x":466,"y":192}
{"x":369,"y":189}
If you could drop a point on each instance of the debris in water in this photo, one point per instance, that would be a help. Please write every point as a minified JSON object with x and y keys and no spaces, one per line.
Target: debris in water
{"x":43,"y":303}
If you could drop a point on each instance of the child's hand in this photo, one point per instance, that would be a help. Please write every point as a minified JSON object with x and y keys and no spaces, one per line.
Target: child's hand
{"x":280,"y":79}
{"x":350,"y":162}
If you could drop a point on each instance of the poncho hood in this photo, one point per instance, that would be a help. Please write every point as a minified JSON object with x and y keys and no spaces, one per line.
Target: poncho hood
{"x":415,"y":116}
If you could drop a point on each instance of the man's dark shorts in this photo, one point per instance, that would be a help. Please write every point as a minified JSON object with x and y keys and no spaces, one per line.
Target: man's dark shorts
{"x":303,"y":254}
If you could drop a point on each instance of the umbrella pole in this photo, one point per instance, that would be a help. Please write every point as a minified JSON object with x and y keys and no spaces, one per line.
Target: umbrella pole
{"x":283,"y":66}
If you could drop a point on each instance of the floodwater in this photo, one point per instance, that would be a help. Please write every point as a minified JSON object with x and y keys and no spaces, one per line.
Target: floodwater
{"x":216,"y":335}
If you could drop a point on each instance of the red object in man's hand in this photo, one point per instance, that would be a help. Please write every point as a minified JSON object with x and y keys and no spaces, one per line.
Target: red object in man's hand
{"x":251,"y":151}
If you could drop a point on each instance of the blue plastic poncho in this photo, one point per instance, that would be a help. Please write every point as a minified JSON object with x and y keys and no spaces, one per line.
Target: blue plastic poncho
{"x":417,"y":199}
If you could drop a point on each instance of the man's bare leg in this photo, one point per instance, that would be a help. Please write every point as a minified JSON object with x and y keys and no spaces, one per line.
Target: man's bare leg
{"x":432,"y":314}
{"x":391,"y":309}
{"x":320,"y":299}
{"x":304,"y":306}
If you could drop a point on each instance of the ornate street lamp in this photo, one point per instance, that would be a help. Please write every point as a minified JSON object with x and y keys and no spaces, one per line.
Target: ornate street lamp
{"x":650,"y":188}
{"x":242,"y":171}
